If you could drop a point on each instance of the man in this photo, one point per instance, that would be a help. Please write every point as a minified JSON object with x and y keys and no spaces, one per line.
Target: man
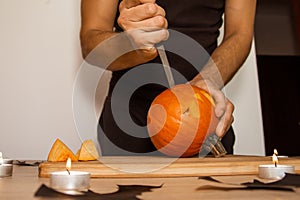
{"x":146,"y":22}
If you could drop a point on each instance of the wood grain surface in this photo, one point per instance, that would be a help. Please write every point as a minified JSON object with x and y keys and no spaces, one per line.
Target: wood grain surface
{"x":24,"y":183}
{"x":140,"y":166}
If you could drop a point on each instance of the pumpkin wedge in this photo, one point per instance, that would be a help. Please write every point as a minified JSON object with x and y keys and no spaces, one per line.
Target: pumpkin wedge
{"x":60,"y":152}
{"x":87,"y":151}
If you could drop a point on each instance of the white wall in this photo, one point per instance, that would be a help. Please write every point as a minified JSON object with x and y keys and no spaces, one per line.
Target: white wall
{"x":39,"y":49}
{"x":39,"y":58}
{"x":243,"y":91}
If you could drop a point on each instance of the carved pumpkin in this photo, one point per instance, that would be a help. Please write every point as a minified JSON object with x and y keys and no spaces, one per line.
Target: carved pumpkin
{"x":179,"y":120}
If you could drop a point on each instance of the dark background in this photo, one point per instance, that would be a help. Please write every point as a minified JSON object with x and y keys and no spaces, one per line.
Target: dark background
{"x":277,"y":41}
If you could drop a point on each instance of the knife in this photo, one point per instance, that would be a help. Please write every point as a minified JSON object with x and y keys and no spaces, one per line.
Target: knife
{"x":166,"y":65}
{"x":212,"y":143}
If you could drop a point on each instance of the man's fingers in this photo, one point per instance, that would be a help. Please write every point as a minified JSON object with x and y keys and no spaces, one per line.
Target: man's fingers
{"x":147,"y":39}
{"x":130,"y":3}
{"x":133,"y":3}
{"x":152,"y":24}
{"x":223,"y":107}
{"x":220,"y":101}
{"x":226,"y":120}
{"x":142,"y":12}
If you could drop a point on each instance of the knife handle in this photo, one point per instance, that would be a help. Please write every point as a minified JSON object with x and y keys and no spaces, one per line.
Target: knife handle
{"x":212,"y":144}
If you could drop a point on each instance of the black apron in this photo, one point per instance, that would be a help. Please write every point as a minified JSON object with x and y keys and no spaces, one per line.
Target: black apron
{"x":199,"y":20}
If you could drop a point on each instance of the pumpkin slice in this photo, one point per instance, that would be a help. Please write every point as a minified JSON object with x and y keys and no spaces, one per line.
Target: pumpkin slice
{"x":60,"y":152}
{"x":87,"y":151}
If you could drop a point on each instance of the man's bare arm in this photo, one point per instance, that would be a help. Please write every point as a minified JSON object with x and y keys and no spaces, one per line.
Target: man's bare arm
{"x":228,"y":57}
{"x":98,"y":17}
{"x":236,"y":44}
{"x":97,"y":22}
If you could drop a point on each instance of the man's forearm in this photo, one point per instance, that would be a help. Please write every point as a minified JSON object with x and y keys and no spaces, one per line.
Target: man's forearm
{"x":227,"y":59}
{"x":89,"y":39}
{"x":100,"y":47}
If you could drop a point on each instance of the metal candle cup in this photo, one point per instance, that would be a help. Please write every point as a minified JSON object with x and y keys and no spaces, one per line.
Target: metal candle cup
{"x":6,"y":170}
{"x":75,"y":181}
{"x":6,"y":166}
{"x":274,"y":172}
{"x":7,"y":161}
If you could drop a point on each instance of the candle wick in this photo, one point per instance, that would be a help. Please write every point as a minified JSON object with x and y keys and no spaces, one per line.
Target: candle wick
{"x":68,"y":171}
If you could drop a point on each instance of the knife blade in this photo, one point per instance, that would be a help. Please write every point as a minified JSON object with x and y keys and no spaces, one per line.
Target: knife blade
{"x":164,"y":59}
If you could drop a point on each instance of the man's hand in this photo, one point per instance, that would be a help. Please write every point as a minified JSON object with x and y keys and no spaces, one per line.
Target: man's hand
{"x":223,"y":109}
{"x":144,"y":21}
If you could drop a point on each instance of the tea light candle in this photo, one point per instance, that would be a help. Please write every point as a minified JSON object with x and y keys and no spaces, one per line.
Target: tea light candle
{"x":6,"y":166}
{"x":70,"y":181}
{"x":274,"y":171}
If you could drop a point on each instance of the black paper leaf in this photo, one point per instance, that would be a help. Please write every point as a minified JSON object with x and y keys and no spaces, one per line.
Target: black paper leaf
{"x":25,"y":163}
{"x":128,"y":192}
{"x":288,"y":180}
{"x":288,"y":183}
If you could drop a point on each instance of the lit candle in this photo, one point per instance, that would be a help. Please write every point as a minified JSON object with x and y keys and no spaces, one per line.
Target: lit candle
{"x":274,"y":171}
{"x":70,"y":181}
{"x":6,"y":166}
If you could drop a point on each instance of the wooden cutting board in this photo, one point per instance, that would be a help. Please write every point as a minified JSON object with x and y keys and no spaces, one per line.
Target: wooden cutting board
{"x":130,"y":167}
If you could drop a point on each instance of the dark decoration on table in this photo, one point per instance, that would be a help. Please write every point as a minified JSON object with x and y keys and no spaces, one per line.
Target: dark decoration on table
{"x":288,"y":183}
{"x":26,"y":163}
{"x":128,"y":192}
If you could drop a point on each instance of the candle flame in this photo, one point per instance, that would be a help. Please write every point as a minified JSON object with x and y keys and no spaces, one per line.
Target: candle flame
{"x":274,"y":158}
{"x":68,"y":165}
{"x":276,"y":152}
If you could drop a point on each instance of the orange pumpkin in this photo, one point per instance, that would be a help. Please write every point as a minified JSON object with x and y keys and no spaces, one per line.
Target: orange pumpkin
{"x":179,"y":120}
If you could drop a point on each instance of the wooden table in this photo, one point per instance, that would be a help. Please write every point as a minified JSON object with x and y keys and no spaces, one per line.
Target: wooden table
{"x":25,"y":181}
